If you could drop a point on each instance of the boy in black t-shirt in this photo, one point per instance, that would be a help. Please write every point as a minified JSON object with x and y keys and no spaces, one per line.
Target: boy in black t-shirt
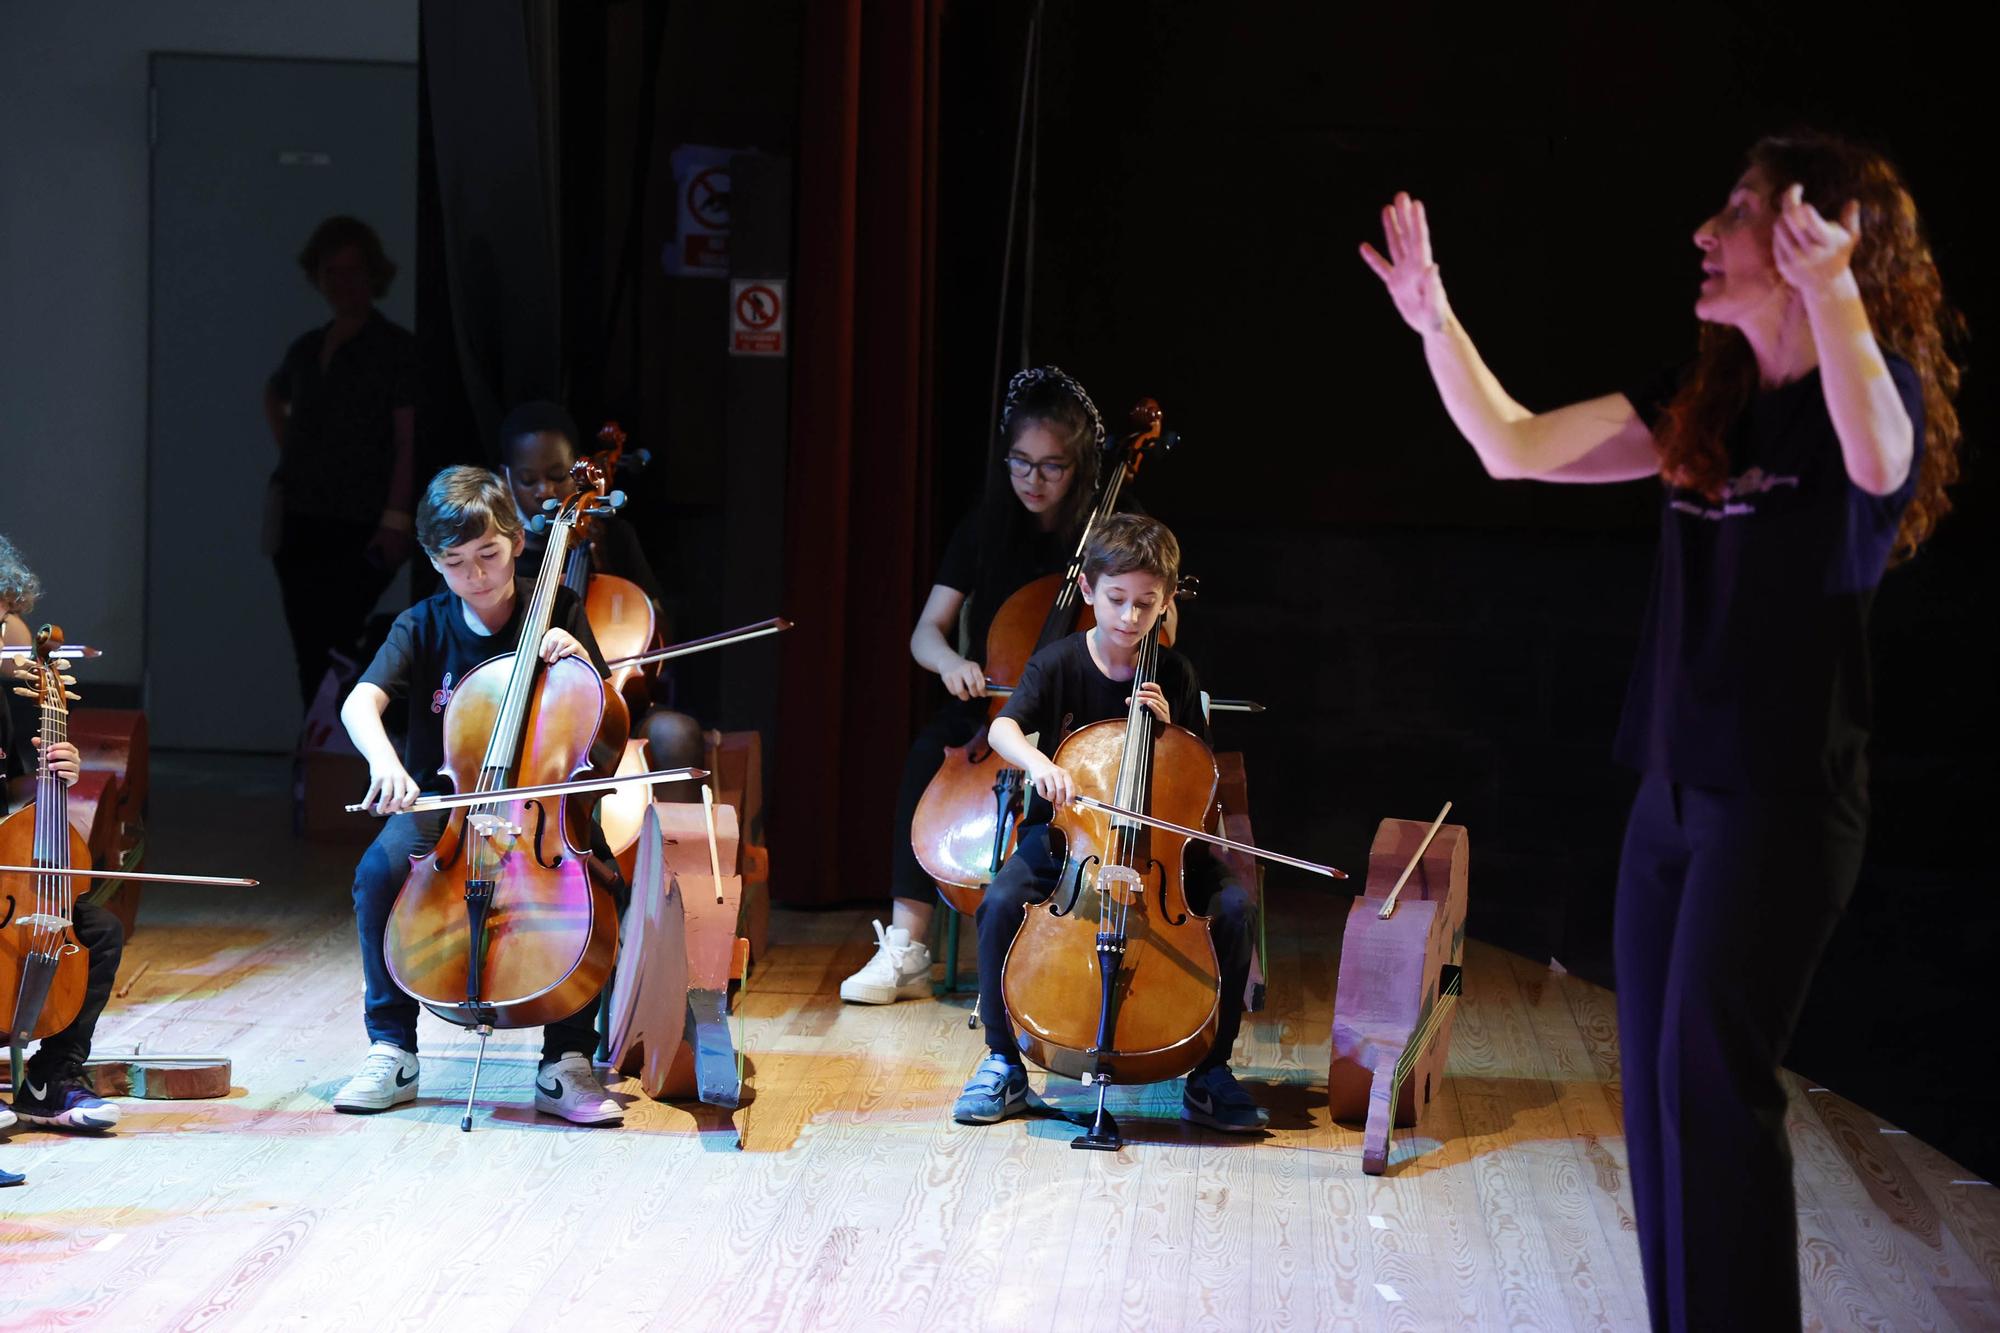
{"x":1129,"y":572}
{"x":468,"y":526}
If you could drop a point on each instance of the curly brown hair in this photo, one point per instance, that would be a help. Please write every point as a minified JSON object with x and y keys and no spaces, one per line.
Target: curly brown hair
{"x":1904,"y":298}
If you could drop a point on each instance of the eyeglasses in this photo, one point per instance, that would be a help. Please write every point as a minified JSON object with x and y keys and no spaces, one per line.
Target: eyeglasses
{"x":1051,"y":469}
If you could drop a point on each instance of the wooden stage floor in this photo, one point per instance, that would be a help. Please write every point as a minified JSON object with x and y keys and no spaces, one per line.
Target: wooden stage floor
{"x":852,"y":1200}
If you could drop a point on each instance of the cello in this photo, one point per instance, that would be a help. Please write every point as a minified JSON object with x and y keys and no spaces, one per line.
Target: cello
{"x":1113,"y":979}
{"x":1402,"y":958}
{"x":501,"y":924}
{"x":965,"y":822}
{"x":43,"y":969}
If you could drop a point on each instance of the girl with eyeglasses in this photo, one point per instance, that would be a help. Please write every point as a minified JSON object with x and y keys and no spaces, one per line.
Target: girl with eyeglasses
{"x":1038,"y":494}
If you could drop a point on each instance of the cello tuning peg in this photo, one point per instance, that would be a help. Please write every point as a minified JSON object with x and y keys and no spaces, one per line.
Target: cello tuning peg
{"x":538,"y":524}
{"x":550,"y":506}
{"x":616,"y":499}
{"x":73,"y":698}
{"x":1168,"y":439}
{"x":27,"y":694}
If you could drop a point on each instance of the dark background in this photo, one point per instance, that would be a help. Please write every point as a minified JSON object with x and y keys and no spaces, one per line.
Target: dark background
{"x":1203,"y":175}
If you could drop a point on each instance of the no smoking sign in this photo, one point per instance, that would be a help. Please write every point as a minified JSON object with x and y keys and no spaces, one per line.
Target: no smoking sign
{"x":756,"y":316}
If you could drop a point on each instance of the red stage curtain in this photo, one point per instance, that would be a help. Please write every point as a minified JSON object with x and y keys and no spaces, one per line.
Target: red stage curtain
{"x":859,"y":482}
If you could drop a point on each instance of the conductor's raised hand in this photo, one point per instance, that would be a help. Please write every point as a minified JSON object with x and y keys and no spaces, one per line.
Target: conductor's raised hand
{"x":1410,"y":274}
{"x":1812,"y":253}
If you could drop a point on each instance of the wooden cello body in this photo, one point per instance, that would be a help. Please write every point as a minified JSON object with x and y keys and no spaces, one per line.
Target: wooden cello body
{"x":1147,"y":1011}
{"x":1399,"y":983}
{"x":43,"y":967}
{"x":501,"y":924}
{"x":1113,"y":979}
{"x":964,"y":826}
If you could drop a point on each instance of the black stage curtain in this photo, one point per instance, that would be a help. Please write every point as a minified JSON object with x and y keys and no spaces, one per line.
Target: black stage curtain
{"x":487,"y":207}
{"x":859,"y":481}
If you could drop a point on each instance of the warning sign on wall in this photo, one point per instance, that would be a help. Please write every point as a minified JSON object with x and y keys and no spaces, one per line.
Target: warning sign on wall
{"x":756,"y":316}
{"x":700,"y":245}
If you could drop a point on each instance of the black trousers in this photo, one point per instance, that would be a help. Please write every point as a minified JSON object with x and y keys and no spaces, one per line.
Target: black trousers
{"x":62,"y":1054}
{"x":954,"y":724}
{"x":1726,"y":901}
{"x":328,"y":587}
{"x":388,"y":1012}
{"x":1030,"y":876}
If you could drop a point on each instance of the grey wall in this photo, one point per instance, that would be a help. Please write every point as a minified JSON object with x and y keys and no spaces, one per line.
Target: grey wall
{"x":73,"y":228}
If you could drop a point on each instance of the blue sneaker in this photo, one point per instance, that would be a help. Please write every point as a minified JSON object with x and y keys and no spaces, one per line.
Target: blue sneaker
{"x":64,"y":1103}
{"x":1214,"y":1098}
{"x":997,"y":1089}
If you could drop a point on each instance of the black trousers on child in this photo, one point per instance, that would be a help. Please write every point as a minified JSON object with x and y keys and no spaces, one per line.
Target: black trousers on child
{"x":388,"y":1012}
{"x":954,"y":724}
{"x":61,"y":1054}
{"x":1726,"y":901}
{"x":1030,"y":876}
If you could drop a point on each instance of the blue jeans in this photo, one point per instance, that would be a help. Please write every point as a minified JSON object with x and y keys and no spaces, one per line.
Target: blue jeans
{"x":1725,"y":902}
{"x":387,"y":1011}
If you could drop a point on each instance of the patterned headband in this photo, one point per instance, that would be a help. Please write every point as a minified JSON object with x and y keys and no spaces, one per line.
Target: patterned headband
{"x":1027,"y":381}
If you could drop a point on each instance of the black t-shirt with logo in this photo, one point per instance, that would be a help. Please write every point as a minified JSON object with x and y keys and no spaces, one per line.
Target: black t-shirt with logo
{"x":1753,"y":667}
{"x":430,"y":649}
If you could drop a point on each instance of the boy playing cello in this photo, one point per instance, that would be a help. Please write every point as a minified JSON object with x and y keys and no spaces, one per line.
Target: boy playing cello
{"x":1130,"y":569}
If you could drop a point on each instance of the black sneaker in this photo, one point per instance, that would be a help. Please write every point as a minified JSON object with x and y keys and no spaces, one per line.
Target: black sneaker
{"x":1214,"y":1098}
{"x":64,"y":1103}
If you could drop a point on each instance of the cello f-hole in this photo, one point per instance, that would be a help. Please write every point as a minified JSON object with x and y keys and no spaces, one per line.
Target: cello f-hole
{"x":10,"y":912}
{"x":1159,"y":873}
{"x":541,"y":823}
{"x":1075,"y":887}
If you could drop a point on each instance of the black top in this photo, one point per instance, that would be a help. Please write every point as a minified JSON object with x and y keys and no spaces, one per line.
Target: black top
{"x":989,"y":578}
{"x":340,"y":438}
{"x":1753,"y":670}
{"x":429,"y":650}
{"x":615,"y":551}
{"x":1061,"y":689}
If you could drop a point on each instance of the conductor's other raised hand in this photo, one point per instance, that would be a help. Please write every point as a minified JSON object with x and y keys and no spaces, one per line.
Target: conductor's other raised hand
{"x":1410,"y":274}
{"x":1813,"y":254}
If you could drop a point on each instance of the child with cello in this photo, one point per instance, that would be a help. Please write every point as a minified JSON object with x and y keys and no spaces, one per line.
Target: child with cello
{"x":470,"y":528}
{"x":1130,"y":570}
{"x":538,"y":447}
{"x":54,"y":1091}
{"x":1037,"y":499}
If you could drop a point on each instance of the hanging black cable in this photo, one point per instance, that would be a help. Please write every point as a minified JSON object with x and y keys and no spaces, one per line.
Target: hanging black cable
{"x":1024,"y":151}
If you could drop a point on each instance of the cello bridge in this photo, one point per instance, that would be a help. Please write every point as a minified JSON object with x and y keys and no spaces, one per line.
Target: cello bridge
{"x":42,"y":921}
{"x":488,"y":825}
{"x":1111,"y":878}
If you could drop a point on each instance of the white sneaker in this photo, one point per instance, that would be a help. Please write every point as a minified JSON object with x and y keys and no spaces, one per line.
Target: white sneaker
{"x":6,"y":1117}
{"x":569,"y":1087}
{"x":386,"y":1078}
{"x":900,"y":970}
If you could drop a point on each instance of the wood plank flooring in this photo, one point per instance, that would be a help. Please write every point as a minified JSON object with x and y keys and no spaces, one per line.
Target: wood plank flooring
{"x":844,"y":1197}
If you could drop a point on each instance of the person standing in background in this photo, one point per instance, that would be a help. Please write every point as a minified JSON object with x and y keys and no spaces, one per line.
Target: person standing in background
{"x":342,"y":409}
